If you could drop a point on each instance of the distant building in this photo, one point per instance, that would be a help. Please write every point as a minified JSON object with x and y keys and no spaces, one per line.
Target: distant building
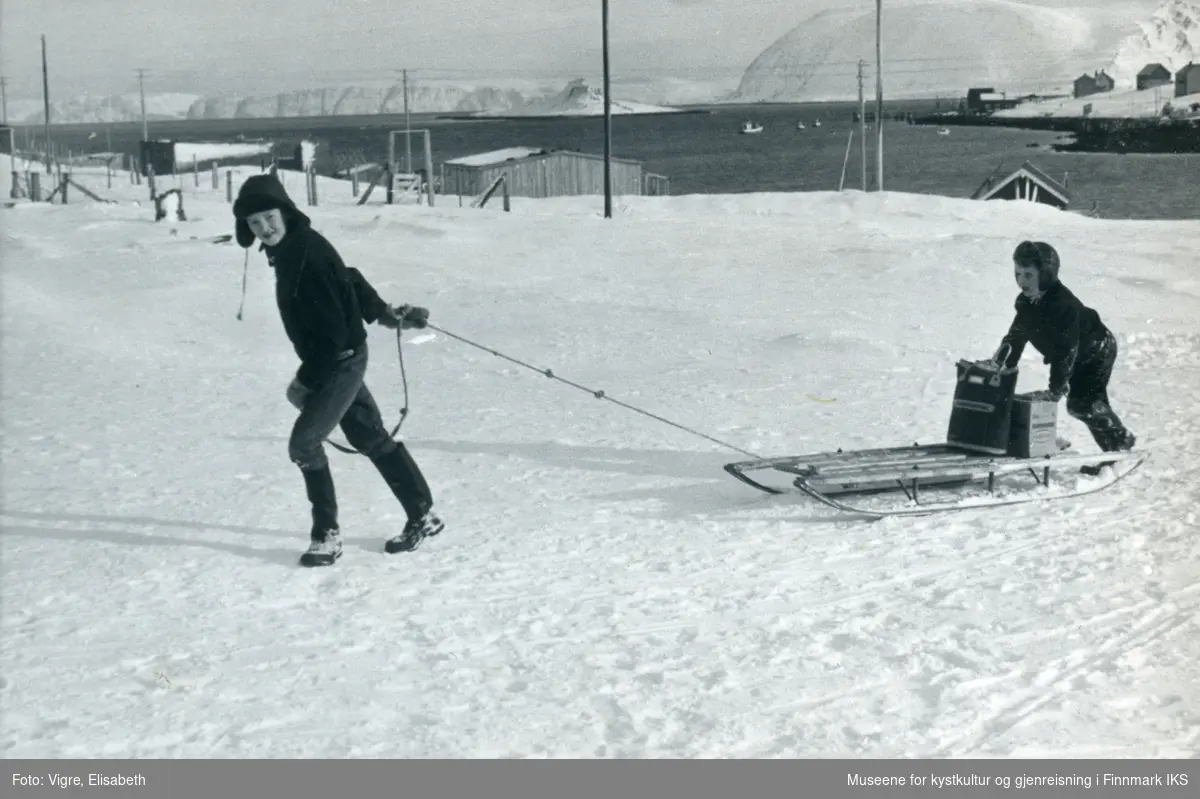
{"x":985,"y":101}
{"x":1027,"y":183}
{"x":1187,"y":80}
{"x":1095,"y":83}
{"x":540,"y":172}
{"x":1153,"y":75}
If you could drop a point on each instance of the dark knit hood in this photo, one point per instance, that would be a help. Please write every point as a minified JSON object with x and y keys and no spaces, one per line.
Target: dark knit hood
{"x":1040,"y":256}
{"x":262,"y":193}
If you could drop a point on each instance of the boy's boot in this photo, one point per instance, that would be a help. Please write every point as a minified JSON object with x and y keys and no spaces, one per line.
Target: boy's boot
{"x":404,"y":478}
{"x":326,"y":546}
{"x":1111,"y":440}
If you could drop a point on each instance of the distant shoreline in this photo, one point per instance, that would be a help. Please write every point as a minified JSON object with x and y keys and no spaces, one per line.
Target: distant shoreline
{"x":1119,"y":135}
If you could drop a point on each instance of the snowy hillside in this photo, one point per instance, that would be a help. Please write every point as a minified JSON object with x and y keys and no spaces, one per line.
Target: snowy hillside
{"x":603,"y":589}
{"x":110,"y":108}
{"x":933,"y":47}
{"x":578,"y":99}
{"x":1171,"y":37}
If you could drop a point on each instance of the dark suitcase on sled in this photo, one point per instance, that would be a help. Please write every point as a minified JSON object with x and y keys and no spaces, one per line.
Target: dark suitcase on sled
{"x":981,"y":417}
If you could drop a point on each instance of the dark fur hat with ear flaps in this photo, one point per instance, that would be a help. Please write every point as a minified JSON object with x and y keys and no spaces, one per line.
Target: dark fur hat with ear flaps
{"x":1040,"y":256}
{"x":262,"y":193}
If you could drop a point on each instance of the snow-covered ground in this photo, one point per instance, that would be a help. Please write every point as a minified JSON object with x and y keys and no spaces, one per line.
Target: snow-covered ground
{"x":602,"y":589}
{"x":1127,"y":104}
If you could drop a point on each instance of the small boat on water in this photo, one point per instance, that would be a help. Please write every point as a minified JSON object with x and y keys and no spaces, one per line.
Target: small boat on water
{"x":943,"y":131}
{"x":750,"y":127}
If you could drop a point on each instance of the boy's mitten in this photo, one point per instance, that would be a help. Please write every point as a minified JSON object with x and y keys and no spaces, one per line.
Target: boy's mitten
{"x":411,"y":316}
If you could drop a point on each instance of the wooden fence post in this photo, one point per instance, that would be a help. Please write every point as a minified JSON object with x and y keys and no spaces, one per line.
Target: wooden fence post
{"x":229,"y":185}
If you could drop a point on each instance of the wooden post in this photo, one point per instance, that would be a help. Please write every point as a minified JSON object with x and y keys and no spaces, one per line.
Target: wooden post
{"x":354,"y":183}
{"x":229,"y":185}
{"x":35,"y":186}
{"x":195,"y":172}
{"x":108,"y":170}
{"x":428,"y":169}
{"x":879,"y":95}
{"x":216,"y":176}
{"x":846,"y":160}
{"x":63,"y":179}
{"x":150,"y":180}
{"x":312,"y":178}
{"x":862,"y":124}
{"x":390,"y":176}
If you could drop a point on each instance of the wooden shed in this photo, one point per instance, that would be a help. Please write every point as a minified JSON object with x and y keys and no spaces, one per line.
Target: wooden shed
{"x":1028,"y":183}
{"x":1187,"y":80}
{"x":1153,"y":75}
{"x":538,"y":172}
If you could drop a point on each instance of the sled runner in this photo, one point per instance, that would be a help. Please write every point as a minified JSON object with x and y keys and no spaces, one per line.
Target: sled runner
{"x":903,"y":472}
{"x":994,"y":436}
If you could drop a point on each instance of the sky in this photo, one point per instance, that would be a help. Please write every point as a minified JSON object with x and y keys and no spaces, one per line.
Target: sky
{"x":98,"y":46}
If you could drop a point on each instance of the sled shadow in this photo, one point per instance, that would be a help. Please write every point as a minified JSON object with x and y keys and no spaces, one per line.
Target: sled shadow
{"x":714,"y":494}
{"x":275,"y":557}
{"x":614,"y":460}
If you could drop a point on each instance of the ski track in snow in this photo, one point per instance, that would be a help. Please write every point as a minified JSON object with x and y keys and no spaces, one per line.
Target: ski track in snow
{"x":602,"y":588}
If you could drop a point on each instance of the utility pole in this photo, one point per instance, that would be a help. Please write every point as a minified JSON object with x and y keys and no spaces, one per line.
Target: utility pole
{"x":408,"y":133}
{"x":862,"y":124}
{"x":607,"y":115}
{"x":879,"y":94}
{"x":142,"y":89}
{"x":46,"y":101}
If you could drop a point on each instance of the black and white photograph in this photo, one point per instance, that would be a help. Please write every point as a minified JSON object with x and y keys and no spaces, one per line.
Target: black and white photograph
{"x":600,"y":380}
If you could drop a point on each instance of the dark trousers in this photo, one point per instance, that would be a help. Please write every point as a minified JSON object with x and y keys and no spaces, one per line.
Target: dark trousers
{"x":345,"y":401}
{"x":1088,"y":400}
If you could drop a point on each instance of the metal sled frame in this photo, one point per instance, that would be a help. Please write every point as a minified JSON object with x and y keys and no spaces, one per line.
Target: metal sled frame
{"x":909,"y":469}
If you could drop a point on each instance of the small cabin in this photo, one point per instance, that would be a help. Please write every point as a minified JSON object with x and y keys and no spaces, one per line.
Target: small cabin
{"x":1187,"y":80}
{"x":1153,"y":75}
{"x":1028,"y":183}
{"x":540,"y":172}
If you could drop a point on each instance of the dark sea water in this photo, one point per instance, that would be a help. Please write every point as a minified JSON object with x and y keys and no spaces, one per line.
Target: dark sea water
{"x":705,"y":153}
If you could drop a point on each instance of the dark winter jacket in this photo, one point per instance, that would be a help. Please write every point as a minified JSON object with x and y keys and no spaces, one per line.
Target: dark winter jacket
{"x":323,"y":303}
{"x":1060,"y":327}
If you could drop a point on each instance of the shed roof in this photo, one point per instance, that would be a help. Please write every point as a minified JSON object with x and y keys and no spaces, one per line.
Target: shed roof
{"x":1151,"y":69}
{"x":497,"y":156}
{"x":1187,"y":68}
{"x":991,"y":186}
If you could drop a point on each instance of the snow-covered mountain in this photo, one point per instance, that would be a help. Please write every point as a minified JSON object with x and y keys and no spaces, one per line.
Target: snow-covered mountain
{"x":1170,"y":37}
{"x":424,"y":96}
{"x":577,"y":98}
{"x":933,"y":47}
{"x":106,"y":108}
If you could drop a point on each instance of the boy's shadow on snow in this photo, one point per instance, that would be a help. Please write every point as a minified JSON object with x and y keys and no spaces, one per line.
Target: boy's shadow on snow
{"x":715,"y":494}
{"x":275,"y":557}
